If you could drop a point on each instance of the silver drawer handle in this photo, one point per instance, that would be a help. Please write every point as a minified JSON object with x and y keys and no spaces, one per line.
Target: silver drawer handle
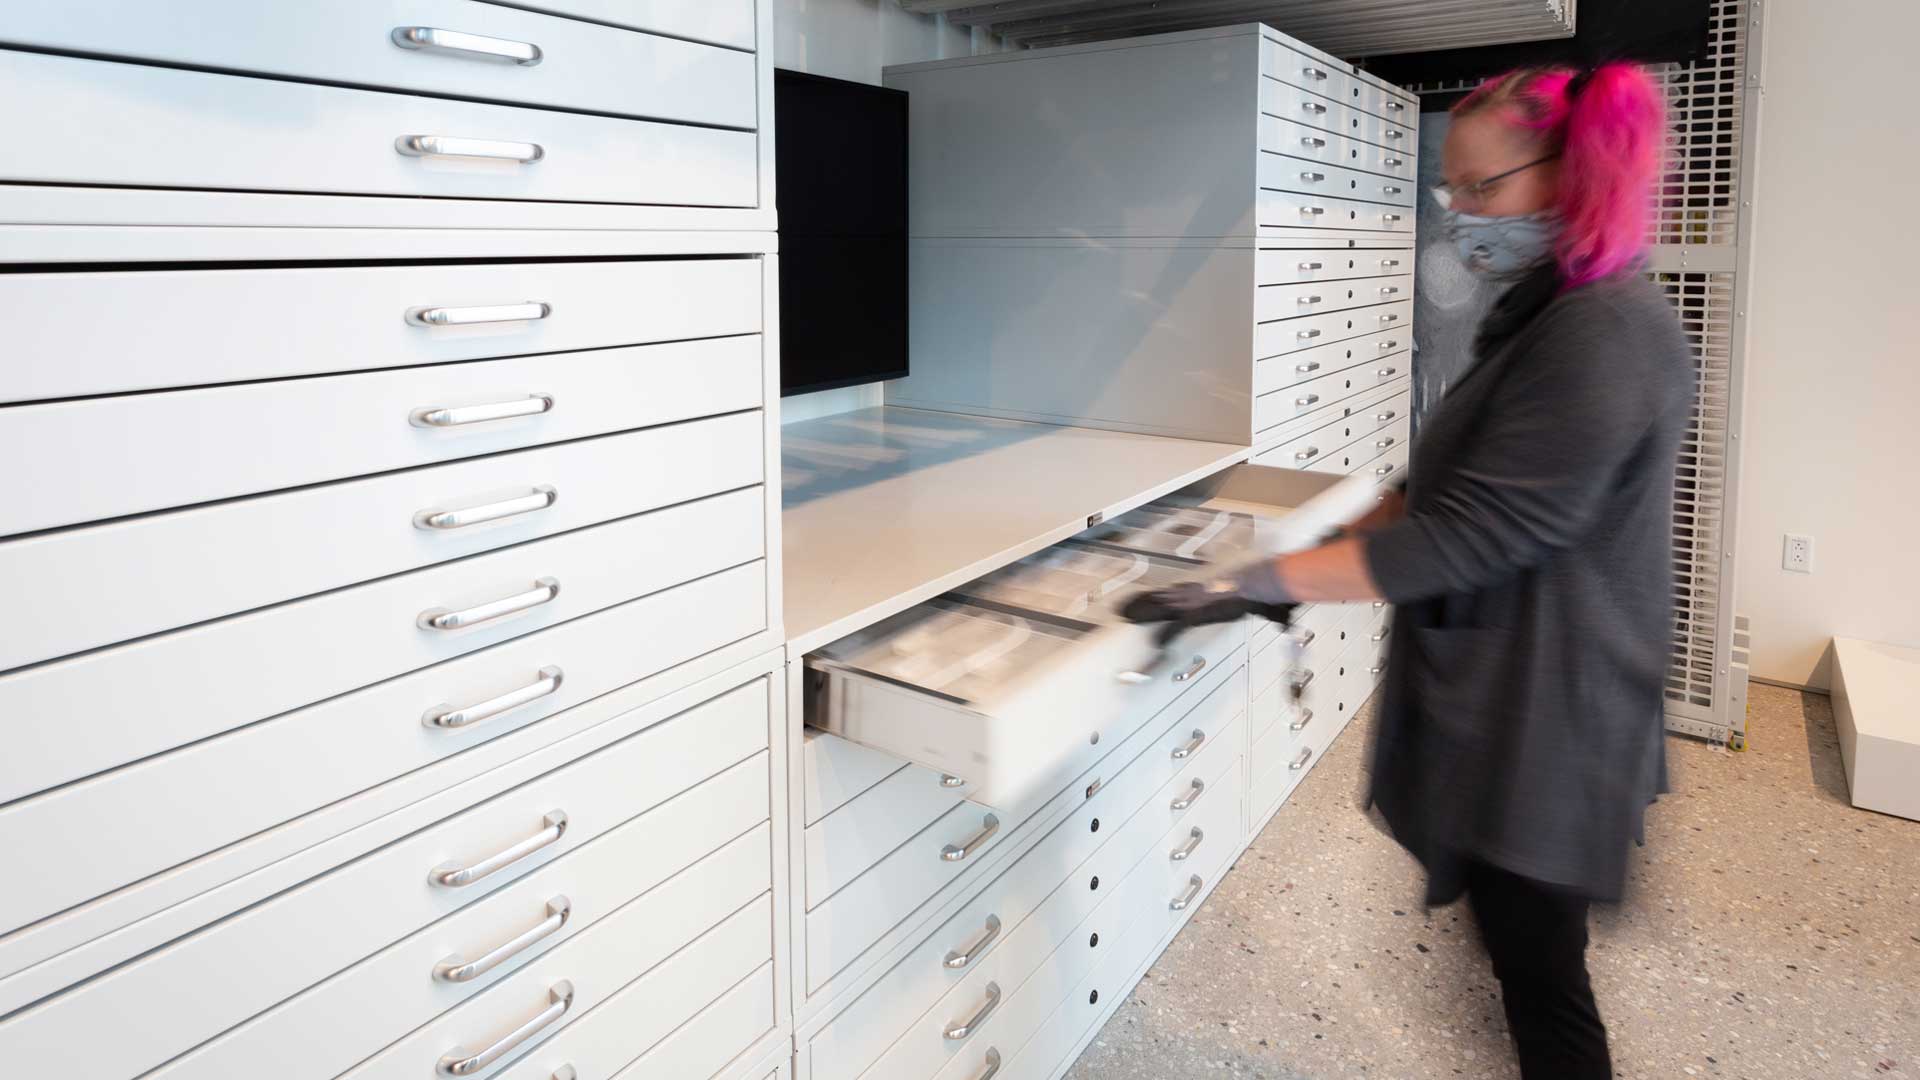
{"x":1194,"y":885}
{"x":955,"y":852}
{"x":543,"y":591}
{"x":1378,"y":604}
{"x":1385,"y":633}
{"x":1094,"y":788}
{"x":1298,"y":682}
{"x":1185,"y":851}
{"x":1306,"y":755}
{"x":448,"y":717}
{"x":1312,"y":143}
{"x":1309,"y":300}
{"x":459,"y":1062}
{"x":1392,"y":134}
{"x":530,"y":311}
{"x":1313,"y":177}
{"x":531,"y":405}
{"x":1310,"y":399}
{"x":1376,"y":669}
{"x":1308,"y":367}
{"x":1391,"y":217}
{"x":956,"y":1032}
{"x":525,"y":153}
{"x":1394,"y":162}
{"x":1308,"y":454}
{"x":1313,"y":107}
{"x":455,"y":876}
{"x":1391,"y":190}
{"x":1388,"y":264}
{"x":1314,"y":73}
{"x":564,"y":1072}
{"x":1381,"y":418}
{"x":1396,"y":106}
{"x":1388,"y":319}
{"x":1390,"y":290}
{"x":948,"y":780}
{"x":967,"y":954}
{"x":1384,"y":470}
{"x":1305,"y":335}
{"x":1301,"y":636}
{"x":1389,"y":345}
{"x":1194,"y":791}
{"x":993,"y":1065}
{"x":541,"y":497}
{"x":1387,"y":372}
{"x":1313,"y":211}
{"x":1306,"y":717}
{"x":1382,"y":444}
{"x":1198,"y":665}
{"x":455,"y":969}
{"x":1191,"y":746}
{"x":1311,"y":266}
{"x":430,"y":38}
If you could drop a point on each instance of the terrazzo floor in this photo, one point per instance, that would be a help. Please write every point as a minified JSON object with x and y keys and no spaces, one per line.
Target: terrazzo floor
{"x":1772,"y":933}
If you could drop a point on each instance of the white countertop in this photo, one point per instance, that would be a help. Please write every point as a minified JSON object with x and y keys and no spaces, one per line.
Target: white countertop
{"x":887,"y":507}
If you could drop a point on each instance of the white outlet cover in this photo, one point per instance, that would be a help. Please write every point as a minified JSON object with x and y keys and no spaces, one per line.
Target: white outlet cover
{"x":1796,"y":553}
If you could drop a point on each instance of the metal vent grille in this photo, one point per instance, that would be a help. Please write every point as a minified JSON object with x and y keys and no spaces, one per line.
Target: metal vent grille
{"x":1699,"y":200}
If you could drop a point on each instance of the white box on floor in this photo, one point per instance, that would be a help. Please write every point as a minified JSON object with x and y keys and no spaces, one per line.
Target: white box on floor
{"x":1875,"y":686}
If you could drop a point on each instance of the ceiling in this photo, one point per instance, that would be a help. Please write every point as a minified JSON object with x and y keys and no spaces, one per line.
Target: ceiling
{"x":1345,"y":28}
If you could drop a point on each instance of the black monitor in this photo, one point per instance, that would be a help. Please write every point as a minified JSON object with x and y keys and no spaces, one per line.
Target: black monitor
{"x":841,"y":186}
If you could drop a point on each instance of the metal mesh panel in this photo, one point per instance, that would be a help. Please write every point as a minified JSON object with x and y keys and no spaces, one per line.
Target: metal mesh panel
{"x":1699,"y":201}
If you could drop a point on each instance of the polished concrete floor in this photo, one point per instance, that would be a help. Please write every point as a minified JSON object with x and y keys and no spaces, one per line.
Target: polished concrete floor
{"x":1773,"y":933}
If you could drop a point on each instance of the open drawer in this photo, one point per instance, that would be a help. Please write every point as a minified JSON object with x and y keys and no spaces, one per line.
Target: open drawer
{"x":1014,"y":681}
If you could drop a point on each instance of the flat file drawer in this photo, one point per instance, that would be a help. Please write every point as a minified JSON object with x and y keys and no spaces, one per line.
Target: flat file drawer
{"x":1276,"y":408}
{"x":130,"y":124}
{"x":215,"y":677}
{"x":1015,"y":704}
{"x":1323,"y":212}
{"x":1360,"y":453}
{"x":700,"y":1048}
{"x":1278,"y":372}
{"x":1354,"y":431}
{"x":1011,"y":926}
{"x":1272,"y":302}
{"x":1332,"y":81}
{"x":1296,"y":139}
{"x":177,"y":997}
{"x":859,"y":834}
{"x":1389,"y":467}
{"x":197,"y":327}
{"x":723,"y":22}
{"x":454,"y":48}
{"x":1288,"y":266}
{"x":217,"y":791}
{"x":98,"y":585}
{"x":835,"y":771}
{"x":1315,"y":178}
{"x":1311,"y":331}
{"x":714,"y":835}
{"x":1365,"y":403}
{"x":1309,"y":108}
{"x":268,"y":436}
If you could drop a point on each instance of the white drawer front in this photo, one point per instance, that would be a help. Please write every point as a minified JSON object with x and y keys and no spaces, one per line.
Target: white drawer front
{"x":856,"y":836}
{"x":1311,"y":331}
{"x":1359,"y":454}
{"x":1390,"y":467}
{"x":521,"y":57}
{"x":1272,"y":302}
{"x":701,"y":1048}
{"x":172,"y":999}
{"x":1315,"y":178}
{"x":269,"y":436}
{"x":1365,"y":403}
{"x":1357,"y":426}
{"x":1323,"y":212}
{"x":723,"y":22}
{"x":221,"y":790}
{"x":129,"y":124}
{"x":1331,"y":80}
{"x":1278,"y":372}
{"x":96,"y":586}
{"x":834,"y":771}
{"x":719,"y":825}
{"x":1295,"y":139}
{"x":75,"y":335}
{"x":1288,"y":266}
{"x":1310,"y":108}
{"x":1276,"y":408}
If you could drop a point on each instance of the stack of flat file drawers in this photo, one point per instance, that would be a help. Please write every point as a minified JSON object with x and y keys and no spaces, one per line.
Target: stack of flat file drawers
{"x":391,"y":671}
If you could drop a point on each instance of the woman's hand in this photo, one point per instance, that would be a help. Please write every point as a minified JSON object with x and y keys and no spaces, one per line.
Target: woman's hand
{"x":1249,"y":591}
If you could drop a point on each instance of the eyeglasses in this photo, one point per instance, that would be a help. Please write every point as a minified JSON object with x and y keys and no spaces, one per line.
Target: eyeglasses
{"x":1474,"y":193}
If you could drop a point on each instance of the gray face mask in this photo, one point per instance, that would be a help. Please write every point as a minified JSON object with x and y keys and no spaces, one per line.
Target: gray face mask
{"x":1503,"y":248}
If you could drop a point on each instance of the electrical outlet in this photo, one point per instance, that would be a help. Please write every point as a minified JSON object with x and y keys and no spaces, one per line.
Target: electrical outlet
{"x":1798,"y":554}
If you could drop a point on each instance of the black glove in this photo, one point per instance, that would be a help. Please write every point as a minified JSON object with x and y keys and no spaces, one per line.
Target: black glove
{"x":1192,"y":603}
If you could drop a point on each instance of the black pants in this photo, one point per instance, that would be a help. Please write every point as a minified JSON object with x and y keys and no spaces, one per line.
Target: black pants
{"x":1537,"y":936}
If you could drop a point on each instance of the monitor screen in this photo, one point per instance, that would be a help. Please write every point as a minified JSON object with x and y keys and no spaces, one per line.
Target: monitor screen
{"x":841,"y":187}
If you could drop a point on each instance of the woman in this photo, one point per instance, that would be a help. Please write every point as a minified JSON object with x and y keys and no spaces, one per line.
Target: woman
{"x":1520,"y":733}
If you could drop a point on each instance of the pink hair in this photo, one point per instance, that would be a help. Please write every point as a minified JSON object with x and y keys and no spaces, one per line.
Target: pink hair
{"x":1609,"y":135}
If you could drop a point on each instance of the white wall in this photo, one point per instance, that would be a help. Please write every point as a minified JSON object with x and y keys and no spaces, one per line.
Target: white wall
{"x":1833,"y":372}
{"x":854,"y":39}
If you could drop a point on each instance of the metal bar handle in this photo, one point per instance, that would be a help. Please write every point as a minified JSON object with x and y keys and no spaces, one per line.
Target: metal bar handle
{"x":1396,"y":106}
{"x":1185,"y":851}
{"x":543,"y":591}
{"x":1392,"y":217}
{"x":1194,"y":791}
{"x":1313,"y":177}
{"x":1390,"y":290}
{"x":529,"y":311}
{"x":565,"y":1072}
{"x":1382,"y":444}
{"x":948,"y":780}
{"x":1298,"y":681}
{"x":1198,"y":665}
{"x":1310,"y":399}
{"x":531,"y":405}
{"x":525,"y":153}
{"x":450,"y":718}
{"x":1394,"y":162}
{"x":1381,"y":418}
{"x":1301,"y":636}
{"x":1306,"y":717}
{"x":1194,"y":885}
{"x":455,"y":876}
{"x":1388,"y":264}
{"x":1385,"y":633}
{"x":1309,"y":300}
{"x":1385,"y":470}
{"x":434,"y":39}
{"x":1314,"y":211}
{"x":1386,"y":319}
{"x":1306,"y":335}
{"x":1387,"y":372}
{"x":1312,"y":266}
{"x":1312,"y":143}
{"x":1308,"y":454}
{"x":1313,"y":107}
{"x":1314,"y":73}
{"x":1307,"y":368}
{"x":1391,"y":190}
{"x":1376,"y":669}
{"x":971,"y":1024}
{"x":1389,"y":345}
{"x":971,"y":951}
{"x":460,"y":1062}
{"x":1306,"y":755}
{"x":455,"y":969}
{"x":1187,"y":749}
{"x":541,"y":497}
{"x":1392,"y":134}
{"x":956,"y":852}
{"x":993,"y":1065}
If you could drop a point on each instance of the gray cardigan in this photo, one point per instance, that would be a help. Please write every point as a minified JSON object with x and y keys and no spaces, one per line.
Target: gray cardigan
{"x":1521,"y":712}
